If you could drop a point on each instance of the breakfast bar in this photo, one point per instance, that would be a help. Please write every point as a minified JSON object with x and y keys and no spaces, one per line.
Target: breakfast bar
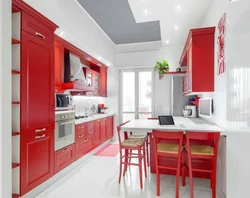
{"x":180,"y":124}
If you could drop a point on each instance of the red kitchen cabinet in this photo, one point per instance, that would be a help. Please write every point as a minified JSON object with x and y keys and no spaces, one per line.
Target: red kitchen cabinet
{"x":198,"y":56}
{"x":37,"y":85}
{"x":109,"y":127}
{"x":97,"y":135}
{"x":83,"y":147}
{"x":80,"y":133}
{"x":103,"y":129}
{"x":103,"y":81}
{"x":64,"y":157}
{"x":37,"y":160}
{"x":59,"y":67}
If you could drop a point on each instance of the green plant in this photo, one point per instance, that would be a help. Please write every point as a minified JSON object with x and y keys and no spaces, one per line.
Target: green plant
{"x":161,"y":67}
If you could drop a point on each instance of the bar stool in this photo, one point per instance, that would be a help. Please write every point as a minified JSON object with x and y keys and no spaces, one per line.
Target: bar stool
{"x":131,"y":144}
{"x":209,"y":151}
{"x":168,"y":151}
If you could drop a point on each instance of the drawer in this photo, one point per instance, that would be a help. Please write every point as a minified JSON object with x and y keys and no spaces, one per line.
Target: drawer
{"x":37,"y":28}
{"x":84,"y":147}
{"x":90,"y":125}
{"x":80,"y":136}
{"x":64,"y":157}
{"x":81,"y":127}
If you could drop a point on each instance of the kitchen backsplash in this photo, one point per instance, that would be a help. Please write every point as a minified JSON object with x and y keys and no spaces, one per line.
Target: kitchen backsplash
{"x":82,"y":103}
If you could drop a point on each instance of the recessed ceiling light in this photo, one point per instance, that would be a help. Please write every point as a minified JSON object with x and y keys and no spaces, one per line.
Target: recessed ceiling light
{"x":178,"y":7}
{"x":167,"y":41}
{"x":146,"y":11}
{"x":176,"y":27}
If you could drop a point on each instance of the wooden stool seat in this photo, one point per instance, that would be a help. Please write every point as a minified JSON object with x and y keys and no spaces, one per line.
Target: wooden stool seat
{"x":167,"y":148}
{"x":201,"y":150}
{"x":133,"y":142}
{"x":138,"y":136}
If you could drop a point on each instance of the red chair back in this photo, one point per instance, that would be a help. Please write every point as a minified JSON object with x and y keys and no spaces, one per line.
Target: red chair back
{"x":169,"y":136}
{"x":208,"y":138}
{"x":119,"y":130}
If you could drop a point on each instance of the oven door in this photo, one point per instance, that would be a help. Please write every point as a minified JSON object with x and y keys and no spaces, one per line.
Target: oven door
{"x":64,"y":133}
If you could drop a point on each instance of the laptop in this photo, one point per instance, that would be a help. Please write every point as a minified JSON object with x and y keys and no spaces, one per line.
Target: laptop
{"x":166,"y":120}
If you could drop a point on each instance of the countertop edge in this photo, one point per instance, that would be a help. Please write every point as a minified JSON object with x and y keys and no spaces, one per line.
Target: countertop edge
{"x":80,"y":121}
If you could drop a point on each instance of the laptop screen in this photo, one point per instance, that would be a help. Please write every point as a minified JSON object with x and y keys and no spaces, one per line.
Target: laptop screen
{"x":166,"y":120}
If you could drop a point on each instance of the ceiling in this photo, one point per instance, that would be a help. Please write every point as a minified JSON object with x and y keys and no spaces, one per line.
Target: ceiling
{"x":116,"y":19}
{"x":137,"y":21}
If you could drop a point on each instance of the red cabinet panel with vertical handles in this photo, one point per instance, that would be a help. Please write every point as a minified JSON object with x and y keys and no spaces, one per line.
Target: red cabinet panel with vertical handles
{"x":64,"y":157}
{"x":103,"y":129}
{"x":37,"y":160}
{"x":198,"y":56}
{"x":97,"y":133}
{"x":109,"y":127}
{"x":37,"y":85}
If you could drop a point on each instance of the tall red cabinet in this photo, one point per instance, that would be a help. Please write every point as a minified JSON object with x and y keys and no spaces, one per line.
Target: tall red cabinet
{"x":37,"y":97}
{"x":198,"y":56}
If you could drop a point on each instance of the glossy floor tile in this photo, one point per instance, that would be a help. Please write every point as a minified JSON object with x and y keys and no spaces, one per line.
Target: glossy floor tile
{"x":97,"y":178}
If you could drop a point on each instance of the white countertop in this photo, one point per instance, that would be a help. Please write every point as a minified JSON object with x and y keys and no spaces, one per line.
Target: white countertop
{"x":181,"y":123}
{"x":94,"y":117}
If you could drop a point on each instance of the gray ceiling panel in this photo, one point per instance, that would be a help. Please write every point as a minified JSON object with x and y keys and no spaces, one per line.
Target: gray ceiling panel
{"x":116,"y":19}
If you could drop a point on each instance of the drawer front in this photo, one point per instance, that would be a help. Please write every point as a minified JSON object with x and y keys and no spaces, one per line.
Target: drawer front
{"x":37,"y":28}
{"x":84,"y":147}
{"x":64,"y":157}
{"x":81,"y":135}
{"x":81,"y":127}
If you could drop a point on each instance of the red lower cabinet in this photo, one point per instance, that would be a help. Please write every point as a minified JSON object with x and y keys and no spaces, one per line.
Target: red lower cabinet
{"x":109,"y":127}
{"x":97,"y":133}
{"x":64,"y":157}
{"x":83,"y":147}
{"x":37,"y":160}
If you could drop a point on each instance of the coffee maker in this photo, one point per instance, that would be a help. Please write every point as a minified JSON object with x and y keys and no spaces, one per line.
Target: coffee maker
{"x":101,"y":108}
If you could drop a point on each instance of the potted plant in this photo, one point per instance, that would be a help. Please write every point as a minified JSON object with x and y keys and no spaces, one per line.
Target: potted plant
{"x":161,"y":67}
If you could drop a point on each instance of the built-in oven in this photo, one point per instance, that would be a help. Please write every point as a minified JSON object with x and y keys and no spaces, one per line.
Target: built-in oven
{"x":63,"y":101}
{"x":64,"y":129}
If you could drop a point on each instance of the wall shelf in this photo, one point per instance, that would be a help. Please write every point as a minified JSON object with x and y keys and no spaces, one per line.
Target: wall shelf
{"x":15,"y":165}
{"x":15,"y":71}
{"x":15,"y":102}
{"x":15,"y":41}
{"x":15,"y":133}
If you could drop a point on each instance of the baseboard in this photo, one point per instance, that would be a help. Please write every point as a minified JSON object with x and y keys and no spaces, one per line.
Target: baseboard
{"x":42,"y":187}
{"x":221,"y":193}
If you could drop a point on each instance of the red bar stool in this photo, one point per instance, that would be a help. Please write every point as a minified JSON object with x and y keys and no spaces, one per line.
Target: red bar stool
{"x":130,"y":145}
{"x":168,"y":151}
{"x":209,"y":151}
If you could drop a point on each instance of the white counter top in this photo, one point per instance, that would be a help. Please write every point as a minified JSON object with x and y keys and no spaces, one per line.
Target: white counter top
{"x":94,"y":117}
{"x":181,"y":123}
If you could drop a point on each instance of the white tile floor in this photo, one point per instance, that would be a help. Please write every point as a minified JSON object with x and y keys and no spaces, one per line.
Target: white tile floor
{"x":97,"y":178}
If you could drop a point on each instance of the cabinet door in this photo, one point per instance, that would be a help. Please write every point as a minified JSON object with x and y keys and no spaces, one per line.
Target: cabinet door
{"x":97,"y":135}
{"x":103,"y":129}
{"x":64,"y":157}
{"x":109,"y":128}
{"x":103,"y":81}
{"x":37,"y":160}
{"x":189,"y":68}
{"x":37,"y":85}
{"x":59,"y":67}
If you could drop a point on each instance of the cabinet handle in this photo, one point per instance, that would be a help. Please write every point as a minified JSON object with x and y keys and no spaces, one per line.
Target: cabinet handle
{"x":40,"y":130}
{"x":40,"y":35}
{"x":80,"y":136}
{"x":90,"y":132}
{"x":66,"y":149}
{"x":82,"y":127}
{"x":86,"y":140}
{"x":40,"y":136}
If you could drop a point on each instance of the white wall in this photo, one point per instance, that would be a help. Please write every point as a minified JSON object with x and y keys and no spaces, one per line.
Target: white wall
{"x":78,"y":27}
{"x":231,"y":96}
{"x":5,"y":99}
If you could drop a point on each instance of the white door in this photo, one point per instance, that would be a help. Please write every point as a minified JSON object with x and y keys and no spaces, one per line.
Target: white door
{"x":136,"y":93}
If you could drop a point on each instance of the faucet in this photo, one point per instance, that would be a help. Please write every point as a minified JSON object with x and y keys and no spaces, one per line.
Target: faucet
{"x":86,"y":114}
{"x":93,"y":109}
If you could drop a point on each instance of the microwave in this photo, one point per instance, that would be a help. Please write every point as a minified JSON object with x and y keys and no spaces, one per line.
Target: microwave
{"x":63,"y":102}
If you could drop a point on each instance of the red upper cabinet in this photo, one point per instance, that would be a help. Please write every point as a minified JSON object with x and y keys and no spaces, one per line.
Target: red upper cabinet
{"x":37,"y":85}
{"x":103,"y":81}
{"x":198,"y":56}
{"x":59,"y":66}
{"x":37,"y":160}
